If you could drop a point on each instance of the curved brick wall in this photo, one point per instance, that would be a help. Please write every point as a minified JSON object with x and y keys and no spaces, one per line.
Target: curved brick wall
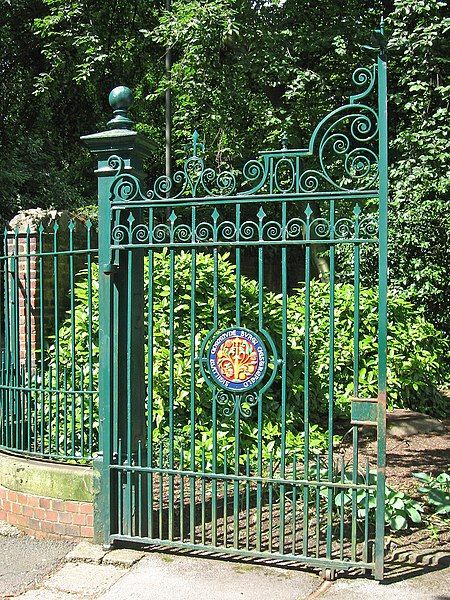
{"x":45,"y":499}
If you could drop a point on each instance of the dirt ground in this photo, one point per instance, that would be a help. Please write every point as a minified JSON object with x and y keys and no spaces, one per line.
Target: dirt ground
{"x":416,"y":443}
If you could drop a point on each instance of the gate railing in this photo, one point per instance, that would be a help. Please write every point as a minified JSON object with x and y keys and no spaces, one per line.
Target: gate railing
{"x":155,"y":488}
{"x":49,"y":342}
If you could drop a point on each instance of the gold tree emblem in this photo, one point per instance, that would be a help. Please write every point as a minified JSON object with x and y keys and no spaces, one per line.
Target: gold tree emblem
{"x":237,"y":359}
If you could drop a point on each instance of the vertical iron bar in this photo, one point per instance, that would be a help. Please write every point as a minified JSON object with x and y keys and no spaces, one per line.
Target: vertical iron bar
{"x":382,"y":314}
{"x":41,"y":332}
{"x":366,"y":514}
{"x":247,"y":500}
{"x":214,"y":470}
{"x":356,"y":302}
{"x":182,"y":496}
{"x":225,"y":499}
{"x":236,"y":472}
{"x":56,"y":330}
{"x":284,"y":321}
{"x":29,"y":334}
{"x":308,"y":213}
{"x":16,"y":354}
{"x":192,"y":480}
{"x":120,"y":487}
{"x":161,"y":492}
{"x":203,"y":495}
{"x":270,"y":502}
{"x":171,"y":389}
{"x":140,"y":512}
{"x":90,"y":356}
{"x":150,"y":441}
{"x":260,"y":403}
{"x":341,"y":522}
{"x":294,"y":503}
{"x":331,"y":387}
{"x":318,"y":506}
{"x":73,"y":386}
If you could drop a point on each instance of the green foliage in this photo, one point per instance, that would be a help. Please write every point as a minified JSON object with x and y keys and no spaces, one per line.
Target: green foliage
{"x":437,"y":490}
{"x":402,"y":511}
{"x":415,"y":350}
{"x":419,"y":155}
{"x":413,"y":355}
{"x":283,"y":66}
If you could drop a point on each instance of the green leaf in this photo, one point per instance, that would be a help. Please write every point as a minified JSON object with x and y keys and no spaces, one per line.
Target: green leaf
{"x":414,"y":515}
{"x":398,"y":522}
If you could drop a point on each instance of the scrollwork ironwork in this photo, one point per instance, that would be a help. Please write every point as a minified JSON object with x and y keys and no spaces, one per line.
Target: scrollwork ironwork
{"x":230,"y":403}
{"x":262,"y":230}
{"x":227,"y":401}
{"x":341,"y":156}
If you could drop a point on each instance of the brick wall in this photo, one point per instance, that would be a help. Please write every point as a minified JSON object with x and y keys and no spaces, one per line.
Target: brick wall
{"x":46,"y":517}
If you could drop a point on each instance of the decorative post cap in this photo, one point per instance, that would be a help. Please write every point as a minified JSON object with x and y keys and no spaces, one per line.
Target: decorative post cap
{"x":120,"y":99}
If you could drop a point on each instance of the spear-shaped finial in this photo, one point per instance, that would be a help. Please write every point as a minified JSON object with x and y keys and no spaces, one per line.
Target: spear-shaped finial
{"x":195,"y":145}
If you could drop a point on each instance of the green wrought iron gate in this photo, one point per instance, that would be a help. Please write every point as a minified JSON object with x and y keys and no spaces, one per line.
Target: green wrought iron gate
{"x":214,"y":377}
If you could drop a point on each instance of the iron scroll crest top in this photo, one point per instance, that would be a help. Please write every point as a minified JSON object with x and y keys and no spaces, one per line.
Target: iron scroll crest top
{"x":341,"y":156}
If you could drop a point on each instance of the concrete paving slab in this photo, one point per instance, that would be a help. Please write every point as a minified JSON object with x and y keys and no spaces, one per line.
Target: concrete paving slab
{"x":171,"y":576}
{"x":84,"y":579}
{"x":432,"y":585}
{"x":86,"y":552}
{"x":435,"y":584}
{"x":123,"y":557}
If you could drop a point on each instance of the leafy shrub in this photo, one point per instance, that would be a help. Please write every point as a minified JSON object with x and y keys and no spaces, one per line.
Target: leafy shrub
{"x":401,"y":512}
{"x":437,"y":490}
{"x":414,"y":352}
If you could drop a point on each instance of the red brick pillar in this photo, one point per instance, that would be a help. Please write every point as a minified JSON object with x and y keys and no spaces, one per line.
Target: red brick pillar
{"x":34,"y":272}
{"x":22,"y":301}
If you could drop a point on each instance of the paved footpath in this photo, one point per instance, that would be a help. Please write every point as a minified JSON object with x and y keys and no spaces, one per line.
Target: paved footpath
{"x":24,"y":561}
{"x":91,"y":573}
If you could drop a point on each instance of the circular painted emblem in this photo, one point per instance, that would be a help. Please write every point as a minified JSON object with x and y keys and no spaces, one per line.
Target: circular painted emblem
{"x":237,"y":359}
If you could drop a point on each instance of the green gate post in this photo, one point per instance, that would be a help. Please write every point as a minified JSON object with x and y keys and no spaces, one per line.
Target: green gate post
{"x":121,"y":363}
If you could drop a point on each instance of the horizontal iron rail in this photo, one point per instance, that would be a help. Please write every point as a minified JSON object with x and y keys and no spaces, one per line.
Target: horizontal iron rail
{"x":244,"y":243}
{"x":318,"y":562}
{"x":50,"y":456}
{"x":13,"y":255}
{"x":244,"y":478}
{"x":59,"y":390}
{"x":269,"y":198}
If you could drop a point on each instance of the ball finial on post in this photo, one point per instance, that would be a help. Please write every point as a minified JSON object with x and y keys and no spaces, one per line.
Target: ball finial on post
{"x":120,"y":99}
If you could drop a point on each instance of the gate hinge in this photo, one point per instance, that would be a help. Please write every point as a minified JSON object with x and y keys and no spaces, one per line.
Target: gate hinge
{"x":364,"y":411}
